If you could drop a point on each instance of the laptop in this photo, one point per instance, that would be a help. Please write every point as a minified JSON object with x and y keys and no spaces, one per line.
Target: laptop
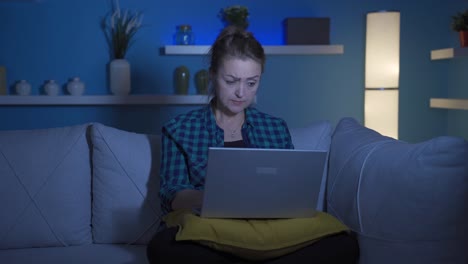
{"x":262,"y":183}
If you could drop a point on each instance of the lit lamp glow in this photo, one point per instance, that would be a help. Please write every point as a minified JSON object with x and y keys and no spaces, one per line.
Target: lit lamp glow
{"x":382,"y":72}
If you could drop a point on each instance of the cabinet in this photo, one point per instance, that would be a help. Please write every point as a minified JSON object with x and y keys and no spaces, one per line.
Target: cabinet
{"x":448,"y":103}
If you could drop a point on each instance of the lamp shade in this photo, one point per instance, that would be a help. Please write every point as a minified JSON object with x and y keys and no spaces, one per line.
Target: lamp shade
{"x":382,"y":50}
{"x":382,"y":72}
{"x":381,"y":111}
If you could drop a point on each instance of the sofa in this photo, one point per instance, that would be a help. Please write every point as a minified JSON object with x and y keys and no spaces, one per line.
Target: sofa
{"x":88,"y":193}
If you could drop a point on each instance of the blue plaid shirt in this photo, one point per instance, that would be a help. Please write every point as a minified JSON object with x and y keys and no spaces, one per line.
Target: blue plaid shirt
{"x":186,"y":139}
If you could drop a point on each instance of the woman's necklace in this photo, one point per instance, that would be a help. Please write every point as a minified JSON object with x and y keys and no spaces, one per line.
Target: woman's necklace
{"x":233,"y":132}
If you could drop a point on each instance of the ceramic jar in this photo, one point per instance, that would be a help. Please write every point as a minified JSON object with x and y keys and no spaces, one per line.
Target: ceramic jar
{"x":75,"y":86}
{"x":201,"y":81}
{"x":120,"y":82}
{"x":51,"y":88}
{"x":181,"y":80}
{"x":23,"y":87}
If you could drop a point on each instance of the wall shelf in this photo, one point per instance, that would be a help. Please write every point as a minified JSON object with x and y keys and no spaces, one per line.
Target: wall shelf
{"x":103,"y":100}
{"x":445,"y":103}
{"x":449,"y":53}
{"x":273,"y":50}
{"x":26,"y":1}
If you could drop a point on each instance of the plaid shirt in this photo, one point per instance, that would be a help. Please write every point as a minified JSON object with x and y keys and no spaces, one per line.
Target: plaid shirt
{"x":186,"y":139}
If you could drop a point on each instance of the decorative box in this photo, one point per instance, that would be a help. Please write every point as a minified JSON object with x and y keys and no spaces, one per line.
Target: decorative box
{"x":307,"y":31}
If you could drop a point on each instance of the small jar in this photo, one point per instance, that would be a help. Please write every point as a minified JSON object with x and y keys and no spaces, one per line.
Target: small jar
{"x":184,"y":35}
{"x":75,"y":86}
{"x":51,"y":88}
{"x":23,"y":87}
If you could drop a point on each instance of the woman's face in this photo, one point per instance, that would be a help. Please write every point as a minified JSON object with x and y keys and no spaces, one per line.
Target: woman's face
{"x":236,"y":84}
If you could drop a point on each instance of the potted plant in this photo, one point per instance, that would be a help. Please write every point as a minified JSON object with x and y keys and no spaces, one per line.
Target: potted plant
{"x":460,"y":25}
{"x":120,"y":27}
{"x":235,"y":15}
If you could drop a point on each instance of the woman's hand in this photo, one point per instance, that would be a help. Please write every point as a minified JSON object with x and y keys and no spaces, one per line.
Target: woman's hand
{"x":187,"y":199}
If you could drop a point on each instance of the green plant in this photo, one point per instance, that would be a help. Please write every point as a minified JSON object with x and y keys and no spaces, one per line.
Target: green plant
{"x":460,"y":21}
{"x":235,"y":15}
{"x":120,"y":26}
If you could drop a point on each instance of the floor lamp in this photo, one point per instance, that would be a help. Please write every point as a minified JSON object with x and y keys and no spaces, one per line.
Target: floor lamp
{"x":382,"y":72}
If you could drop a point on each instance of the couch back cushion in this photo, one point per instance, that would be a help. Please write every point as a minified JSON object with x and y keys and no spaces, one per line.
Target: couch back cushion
{"x":45,"y":187}
{"x":314,"y":136}
{"x":407,"y":202}
{"x":126,"y":206}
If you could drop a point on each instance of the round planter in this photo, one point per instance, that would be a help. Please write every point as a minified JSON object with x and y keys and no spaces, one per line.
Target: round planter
{"x":119,"y":77}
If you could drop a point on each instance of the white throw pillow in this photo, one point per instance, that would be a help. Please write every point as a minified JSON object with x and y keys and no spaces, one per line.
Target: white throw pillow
{"x":126,"y":205}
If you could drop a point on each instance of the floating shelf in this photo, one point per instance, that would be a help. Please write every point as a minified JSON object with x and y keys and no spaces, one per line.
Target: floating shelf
{"x":104,"y":100}
{"x":273,"y":50}
{"x":460,"y":104}
{"x":20,"y":1}
{"x":449,"y":53}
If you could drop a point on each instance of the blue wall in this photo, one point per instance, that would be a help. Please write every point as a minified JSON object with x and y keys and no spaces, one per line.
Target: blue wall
{"x":57,"y":39}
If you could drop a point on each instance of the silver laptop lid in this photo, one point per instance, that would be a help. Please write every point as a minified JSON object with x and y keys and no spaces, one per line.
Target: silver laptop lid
{"x":262,"y":183}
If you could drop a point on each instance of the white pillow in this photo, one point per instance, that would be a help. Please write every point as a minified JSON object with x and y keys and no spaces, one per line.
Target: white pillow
{"x":126,"y":205}
{"x":45,"y":181}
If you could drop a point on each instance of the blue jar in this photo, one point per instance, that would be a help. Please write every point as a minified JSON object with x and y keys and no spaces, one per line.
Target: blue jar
{"x":184,"y":35}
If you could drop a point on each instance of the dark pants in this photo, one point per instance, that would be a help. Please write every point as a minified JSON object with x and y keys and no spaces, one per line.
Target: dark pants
{"x":163,"y":248}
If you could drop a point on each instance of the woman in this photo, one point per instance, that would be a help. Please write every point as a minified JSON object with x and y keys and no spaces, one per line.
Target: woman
{"x":236,"y":66}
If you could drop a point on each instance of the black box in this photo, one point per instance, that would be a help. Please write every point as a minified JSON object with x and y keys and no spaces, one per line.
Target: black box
{"x":307,"y":31}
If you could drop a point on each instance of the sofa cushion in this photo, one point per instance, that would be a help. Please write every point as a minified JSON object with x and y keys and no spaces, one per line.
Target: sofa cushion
{"x":45,"y":189}
{"x":407,"y":202}
{"x":126,"y":205}
{"x":315,"y":136}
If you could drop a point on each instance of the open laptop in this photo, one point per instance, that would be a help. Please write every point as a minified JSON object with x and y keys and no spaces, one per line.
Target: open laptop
{"x":262,"y":183}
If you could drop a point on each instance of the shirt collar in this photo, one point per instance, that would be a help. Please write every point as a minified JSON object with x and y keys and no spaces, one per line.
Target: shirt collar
{"x":249,"y":119}
{"x":210,"y":119}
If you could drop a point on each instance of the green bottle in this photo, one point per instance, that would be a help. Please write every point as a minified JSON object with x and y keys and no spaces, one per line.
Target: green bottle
{"x":201,"y":81}
{"x":181,"y":80}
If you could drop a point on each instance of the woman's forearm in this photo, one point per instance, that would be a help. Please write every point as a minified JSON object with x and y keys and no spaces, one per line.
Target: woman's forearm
{"x":187,"y":199}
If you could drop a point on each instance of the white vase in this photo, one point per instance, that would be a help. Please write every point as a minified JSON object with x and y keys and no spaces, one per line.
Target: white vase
{"x":75,"y":86}
{"x":120,"y":83}
{"x":23,"y":87}
{"x":51,"y":88}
